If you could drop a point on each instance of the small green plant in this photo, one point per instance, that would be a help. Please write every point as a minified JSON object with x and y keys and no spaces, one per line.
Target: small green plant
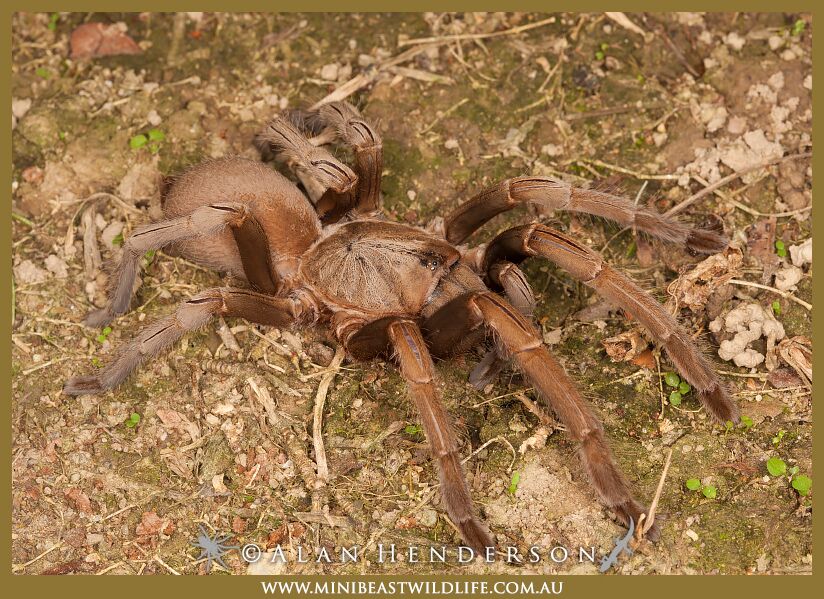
{"x":776,"y":466}
{"x":513,"y":482}
{"x":133,"y":420}
{"x":746,"y":422}
{"x":96,"y":362}
{"x":118,"y":239}
{"x":802,"y":483}
{"x":152,"y":138}
{"x":776,"y":441}
{"x":679,"y":388}
{"x":780,"y":248}
{"x":798,"y":27}
{"x":138,"y":141}
{"x":672,"y":379}
{"x":53,"y":19}
{"x":42,"y":72}
{"x":728,"y":426}
{"x":708,"y":491}
{"x":104,"y":334}
{"x":148,"y":258}
{"x":413,"y":429}
{"x":776,"y":308}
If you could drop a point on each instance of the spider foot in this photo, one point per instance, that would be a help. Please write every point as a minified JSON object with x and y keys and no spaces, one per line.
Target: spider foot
{"x":83,"y":385}
{"x":98,"y":318}
{"x":706,"y":242}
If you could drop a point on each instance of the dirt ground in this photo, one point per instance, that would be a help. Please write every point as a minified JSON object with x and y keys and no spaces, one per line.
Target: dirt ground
{"x":657,"y":106}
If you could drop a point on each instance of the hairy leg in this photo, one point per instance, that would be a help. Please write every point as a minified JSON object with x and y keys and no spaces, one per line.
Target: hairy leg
{"x":345,"y":123}
{"x":554,"y":194}
{"x":587,"y":266}
{"x":318,"y":164}
{"x":203,"y":222}
{"x":190,"y":315}
{"x":556,"y":390}
{"x":517,"y":290}
{"x":404,"y":338}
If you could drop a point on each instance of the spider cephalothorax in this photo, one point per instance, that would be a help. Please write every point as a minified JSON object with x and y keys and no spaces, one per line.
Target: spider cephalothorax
{"x":396,"y":290}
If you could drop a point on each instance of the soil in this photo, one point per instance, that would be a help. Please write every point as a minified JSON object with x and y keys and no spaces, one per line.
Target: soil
{"x":121,"y":483}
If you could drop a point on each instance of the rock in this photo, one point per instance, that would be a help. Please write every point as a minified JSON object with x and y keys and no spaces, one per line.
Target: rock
{"x":91,"y":40}
{"x":802,"y":254}
{"x":428,"y":517}
{"x":27,"y":273}
{"x":57,"y":267}
{"x":329,"y":72}
{"x":140,"y":182}
{"x":19,"y":107}
{"x":787,"y":278}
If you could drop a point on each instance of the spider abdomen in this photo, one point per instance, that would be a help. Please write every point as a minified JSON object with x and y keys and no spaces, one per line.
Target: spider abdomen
{"x":286,"y":216}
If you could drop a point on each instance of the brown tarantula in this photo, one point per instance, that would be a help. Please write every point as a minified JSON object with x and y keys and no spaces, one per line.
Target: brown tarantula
{"x":397,"y":290}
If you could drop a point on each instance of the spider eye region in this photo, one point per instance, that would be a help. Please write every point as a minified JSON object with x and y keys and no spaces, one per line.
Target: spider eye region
{"x":430,"y":262}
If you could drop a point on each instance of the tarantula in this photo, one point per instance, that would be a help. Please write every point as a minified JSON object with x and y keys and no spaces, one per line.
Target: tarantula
{"x":401,"y":291}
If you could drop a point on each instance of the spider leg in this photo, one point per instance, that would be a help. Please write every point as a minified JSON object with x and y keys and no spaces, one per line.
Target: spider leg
{"x":554,"y":194}
{"x":518,"y":292}
{"x":517,"y":335}
{"x":190,"y":315}
{"x":587,"y":266}
{"x":203,"y":222}
{"x":343,"y":122}
{"x":405,"y":340}
{"x":307,"y":160}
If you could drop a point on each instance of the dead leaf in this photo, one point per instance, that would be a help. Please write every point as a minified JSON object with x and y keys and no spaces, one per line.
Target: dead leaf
{"x":798,"y":353}
{"x":692,"y":289}
{"x":91,"y":40}
{"x":152,"y":524}
{"x":645,"y":359}
{"x":79,"y":500}
{"x":783,"y":378}
{"x":174,"y":420}
{"x":625,"y":347}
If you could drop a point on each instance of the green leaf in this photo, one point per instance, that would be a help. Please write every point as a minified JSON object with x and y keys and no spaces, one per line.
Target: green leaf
{"x":513,"y":484}
{"x":53,"y":19}
{"x":412,"y":429}
{"x":693,"y":484}
{"x":776,"y":307}
{"x":776,"y":466}
{"x":156,"y":135}
{"x":133,"y":420}
{"x":780,"y":248}
{"x":747,"y":422}
{"x":138,"y":141}
{"x":799,"y":26}
{"x":675,"y":398}
{"x":672,"y":379}
{"x":42,"y":72}
{"x":599,"y":55}
{"x":710,"y":492}
{"x":118,"y":239}
{"x":684,"y":388}
{"x":802,"y":484}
